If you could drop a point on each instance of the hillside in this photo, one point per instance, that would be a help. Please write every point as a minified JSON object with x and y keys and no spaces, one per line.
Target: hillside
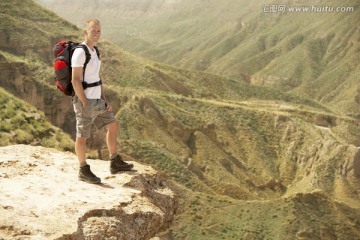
{"x":256,"y":167}
{"x":247,"y":161}
{"x":311,"y":53}
{"x":22,"y":123}
{"x":28,"y":62}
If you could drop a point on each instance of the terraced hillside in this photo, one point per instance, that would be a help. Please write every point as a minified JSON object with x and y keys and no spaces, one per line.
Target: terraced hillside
{"x":256,"y":169}
{"x":309,"y":47}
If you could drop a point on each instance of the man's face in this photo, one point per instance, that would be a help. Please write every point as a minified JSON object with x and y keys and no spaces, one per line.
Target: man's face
{"x":93,"y":32}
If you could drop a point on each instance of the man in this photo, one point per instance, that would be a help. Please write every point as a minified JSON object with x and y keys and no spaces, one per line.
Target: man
{"x":90,"y":105}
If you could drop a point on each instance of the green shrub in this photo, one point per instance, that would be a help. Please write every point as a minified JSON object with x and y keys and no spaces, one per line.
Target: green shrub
{"x":22,"y":136}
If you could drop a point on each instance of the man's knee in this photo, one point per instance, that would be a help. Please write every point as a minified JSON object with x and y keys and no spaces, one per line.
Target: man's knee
{"x":81,"y":140}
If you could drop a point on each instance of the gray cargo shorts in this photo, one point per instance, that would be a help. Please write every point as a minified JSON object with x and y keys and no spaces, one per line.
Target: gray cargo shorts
{"x":93,"y":115}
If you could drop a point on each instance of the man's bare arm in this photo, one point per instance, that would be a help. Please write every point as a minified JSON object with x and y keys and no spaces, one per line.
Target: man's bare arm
{"x":77,"y":73}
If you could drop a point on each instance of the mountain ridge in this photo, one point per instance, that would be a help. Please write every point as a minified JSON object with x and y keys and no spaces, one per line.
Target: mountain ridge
{"x":296,"y":52}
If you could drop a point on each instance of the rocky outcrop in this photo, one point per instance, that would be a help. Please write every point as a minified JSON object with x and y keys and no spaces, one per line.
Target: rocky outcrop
{"x":17,"y":78}
{"x":41,"y":198}
{"x":5,"y":41}
{"x":352,"y":164}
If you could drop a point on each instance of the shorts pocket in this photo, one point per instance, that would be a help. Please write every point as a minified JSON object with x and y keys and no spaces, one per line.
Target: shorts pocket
{"x":78,"y":106}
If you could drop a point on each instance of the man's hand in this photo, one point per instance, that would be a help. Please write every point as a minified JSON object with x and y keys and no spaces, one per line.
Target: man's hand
{"x":108,"y":107}
{"x":84,"y":102}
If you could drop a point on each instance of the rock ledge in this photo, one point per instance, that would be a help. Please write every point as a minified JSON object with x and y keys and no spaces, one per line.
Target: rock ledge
{"x":41,"y":198}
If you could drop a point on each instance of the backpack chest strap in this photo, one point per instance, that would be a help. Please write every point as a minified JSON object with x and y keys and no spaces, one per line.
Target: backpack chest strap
{"x":87,"y":85}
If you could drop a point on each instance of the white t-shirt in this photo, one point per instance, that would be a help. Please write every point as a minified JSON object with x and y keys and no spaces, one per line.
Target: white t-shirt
{"x":92,"y":71}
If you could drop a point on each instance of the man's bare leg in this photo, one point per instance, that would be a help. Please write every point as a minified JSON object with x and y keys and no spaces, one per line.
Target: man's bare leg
{"x":80,"y":149}
{"x":111,"y":138}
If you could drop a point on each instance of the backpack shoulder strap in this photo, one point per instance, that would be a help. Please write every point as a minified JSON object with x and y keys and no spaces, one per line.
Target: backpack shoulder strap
{"x":87,"y":57}
{"x":87,"y":54}
{"x":97,"y":51}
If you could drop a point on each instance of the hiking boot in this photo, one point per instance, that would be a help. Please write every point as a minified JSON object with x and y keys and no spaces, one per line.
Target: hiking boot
{"x":117,"y":164}
{"x":86,"y":175}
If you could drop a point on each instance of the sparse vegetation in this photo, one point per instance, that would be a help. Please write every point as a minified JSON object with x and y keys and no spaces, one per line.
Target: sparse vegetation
{"x":22,"y":124}
{"x":313,"y":54}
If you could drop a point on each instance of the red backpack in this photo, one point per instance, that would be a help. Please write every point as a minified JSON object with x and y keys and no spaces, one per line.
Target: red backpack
{"x":63,"y":52}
